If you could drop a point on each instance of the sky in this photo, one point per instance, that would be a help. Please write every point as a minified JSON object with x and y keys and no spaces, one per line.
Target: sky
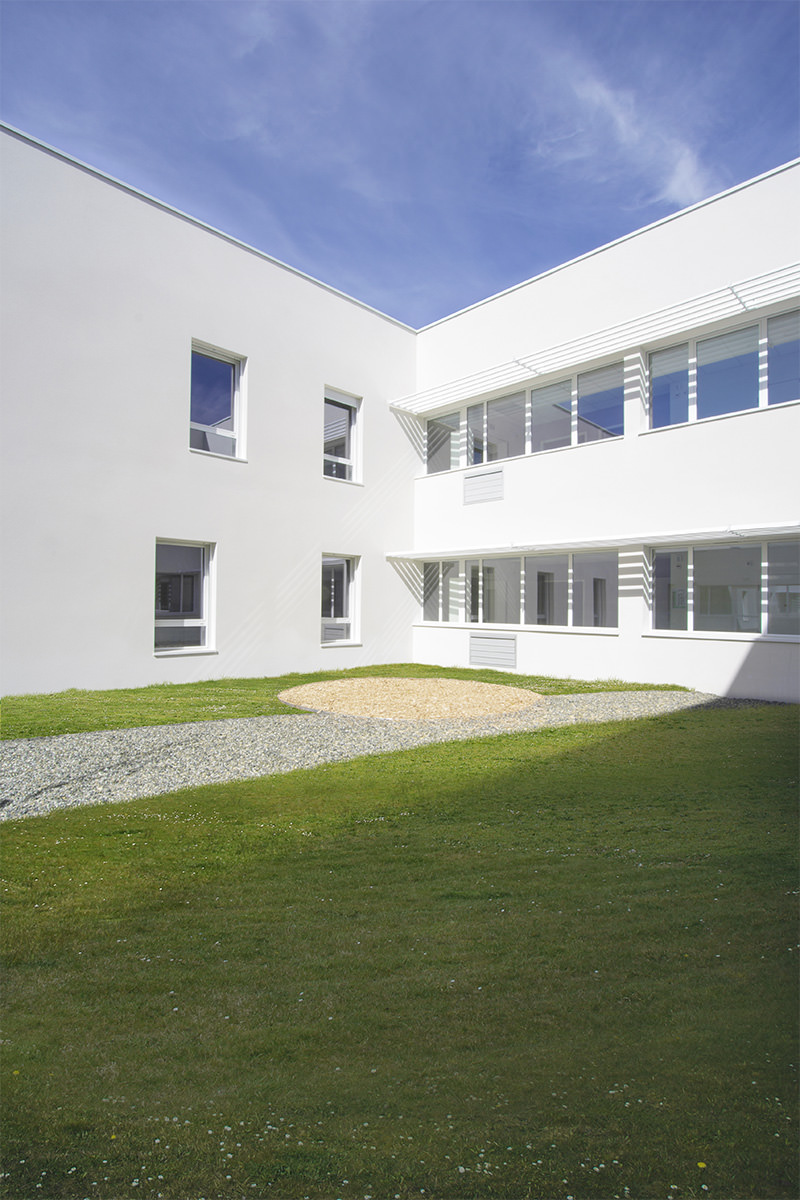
{"x":419,"y":155}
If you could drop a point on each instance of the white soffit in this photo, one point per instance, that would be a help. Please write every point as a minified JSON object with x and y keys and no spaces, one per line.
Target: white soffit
{"x":760,"y":533}
{"x":735,"y":300}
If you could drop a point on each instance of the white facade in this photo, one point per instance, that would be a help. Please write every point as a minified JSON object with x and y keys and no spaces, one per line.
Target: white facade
{"x":663,"y":554}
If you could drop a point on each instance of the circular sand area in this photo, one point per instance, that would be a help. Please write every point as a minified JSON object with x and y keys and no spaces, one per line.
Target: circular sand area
{"x":409,"y":699}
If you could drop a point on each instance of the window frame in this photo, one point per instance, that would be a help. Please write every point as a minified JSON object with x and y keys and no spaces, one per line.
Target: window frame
{"x":352,"y":464}
{"x":349,"y":619}
{"x":692,"y":341}
{"x":768,"y":586}
{"x":204,"y":619}
{"x":236,"y":434}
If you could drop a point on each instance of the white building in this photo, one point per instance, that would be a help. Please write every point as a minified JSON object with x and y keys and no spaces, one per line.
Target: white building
{"x":592,"y":474}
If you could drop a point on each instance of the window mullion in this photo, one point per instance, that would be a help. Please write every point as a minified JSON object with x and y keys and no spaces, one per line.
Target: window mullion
{"x":692,"y":381}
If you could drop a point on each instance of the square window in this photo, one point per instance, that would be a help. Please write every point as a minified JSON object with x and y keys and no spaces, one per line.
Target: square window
{"x":727,"y":589}
{"x":338,"y":580}
{"x":339,"y":460}
{"x":181,"y":596}
{"x":215,"y":424}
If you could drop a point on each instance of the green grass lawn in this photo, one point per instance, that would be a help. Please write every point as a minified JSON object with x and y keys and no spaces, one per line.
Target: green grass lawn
{"x":536,"y":966}
{"x":214,"y":699}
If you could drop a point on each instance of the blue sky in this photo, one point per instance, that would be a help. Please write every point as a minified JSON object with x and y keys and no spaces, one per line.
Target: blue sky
{"x":418,"y":155}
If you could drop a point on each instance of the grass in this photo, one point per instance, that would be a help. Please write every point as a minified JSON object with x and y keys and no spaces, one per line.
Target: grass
{"x":214,"y":699}
{"x":534,"y":966}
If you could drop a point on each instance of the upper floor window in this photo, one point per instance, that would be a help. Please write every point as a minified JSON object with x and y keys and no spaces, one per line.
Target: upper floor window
{"x":601,"y":409}
{"x":443,"y":443}
{"x":747,"y":368}
{"x":215,"y":421}
{"x":496,"y":429}
{"x":182,"y":599}
{"x":339,"y":460}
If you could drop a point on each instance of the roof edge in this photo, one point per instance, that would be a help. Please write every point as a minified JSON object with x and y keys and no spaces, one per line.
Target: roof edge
{"x":626,"y":237}
{"x":21,"y":136}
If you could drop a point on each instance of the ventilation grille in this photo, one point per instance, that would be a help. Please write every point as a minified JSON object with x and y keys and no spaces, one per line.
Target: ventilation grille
{"x":491,"y":650}
{"x":486,"y":486}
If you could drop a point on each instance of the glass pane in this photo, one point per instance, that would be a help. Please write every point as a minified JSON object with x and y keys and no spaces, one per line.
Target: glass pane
{"x":727,"y":373}
{"x":430,"y":591}
{"x":669,"y":386}
{"x":450,"y":605}
{"x":473,"y":570}
{"x":727,"y":589}
{"x":212,"y":391}
{"x":179,"y":571}
{"x":338,"y":423}
{"x":551,"y":416}
{"x":475,"y":434}
{"x":335,"y":587}
{"x":546,"y":583}
{"x":670,"y":583}
{"x":171,"y":637}
{"x":783,"y":597}
{"x":783,"y":335}
{"x":594,"y":590}
{"x":601,"y":408}
{"x":443,"y":439}
{"x":501,"y":590}
{"x":506,"y":427}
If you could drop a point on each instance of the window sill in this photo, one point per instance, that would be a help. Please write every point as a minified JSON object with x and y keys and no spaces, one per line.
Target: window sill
{"x":336,"y":645}
{"x":347,"y":482}
{"x":185,"y":652}
{"x":720,"y":635}
{"x":498,"y":462}
{"x":475,"y":626}
{"x":211,"y":454}
{"x":741,"y":412}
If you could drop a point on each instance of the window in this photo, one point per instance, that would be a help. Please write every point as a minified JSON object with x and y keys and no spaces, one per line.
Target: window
{"x":182,"y":596}
{"x":727,"y":373}
{"x":783,"y":357}
{"x":783,"y":587}
{"x":440,"y":600}
{"x":443,"y":437}
{"x":669,"y":386}
{"x":723,"y":588}
{"x":339,"y":445}
{"x":594,"y":590}
{"x":601,"y":410}
{"x":546,"y":586}
{"x":758,"y":365}
{"x":551,"y":416}
{"x":338,"y":576}
{"x":215,"y":421}
{"x":670,"y":589}
{"x":496,"y":429}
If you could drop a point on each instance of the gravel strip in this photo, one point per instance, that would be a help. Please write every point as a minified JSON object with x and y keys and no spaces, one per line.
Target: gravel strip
{"x":42,"y":774}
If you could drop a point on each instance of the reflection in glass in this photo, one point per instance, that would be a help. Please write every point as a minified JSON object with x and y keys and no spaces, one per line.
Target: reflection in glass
{"x":669,"y":386}
{"x":783,"y":337}
{"x":601,"y":409}
{"x":505,"y":419}
{"x":546,"y":579}
{"x":443,"y":438}
{"x":670,"y":583}
{"x":783,"y":593}
{"x":727,"y":373}
{"x":594,"y":590}
{"x":551,"y":416}
{"x":727,"y":589}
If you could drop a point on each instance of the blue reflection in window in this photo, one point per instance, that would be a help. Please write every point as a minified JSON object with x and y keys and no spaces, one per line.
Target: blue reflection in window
{"x":601,"y":415}
{"x":727,"y":373}
{"x":784,"y":372}
{"x":670,"y":399}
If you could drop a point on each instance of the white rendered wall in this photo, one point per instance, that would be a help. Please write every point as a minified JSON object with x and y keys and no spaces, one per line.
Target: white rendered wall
{"x":745,"y":233}
{"x":103,"y":293}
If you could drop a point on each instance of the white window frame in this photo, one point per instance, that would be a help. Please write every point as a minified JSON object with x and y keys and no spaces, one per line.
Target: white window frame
{"x":238,"y":407}
{"x":207,"y":593}
{"x":351,"y":616}
{"x":352,"y":464}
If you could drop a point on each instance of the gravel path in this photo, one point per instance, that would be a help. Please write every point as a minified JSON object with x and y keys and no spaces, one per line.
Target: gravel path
{"x":42,"y":774}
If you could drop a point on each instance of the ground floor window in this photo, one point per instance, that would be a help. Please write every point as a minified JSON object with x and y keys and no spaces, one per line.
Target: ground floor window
{"x":182,"y":596}
{"x":748,"y":587}
{"x":338,"y":578}
{"x":548,"y":589}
